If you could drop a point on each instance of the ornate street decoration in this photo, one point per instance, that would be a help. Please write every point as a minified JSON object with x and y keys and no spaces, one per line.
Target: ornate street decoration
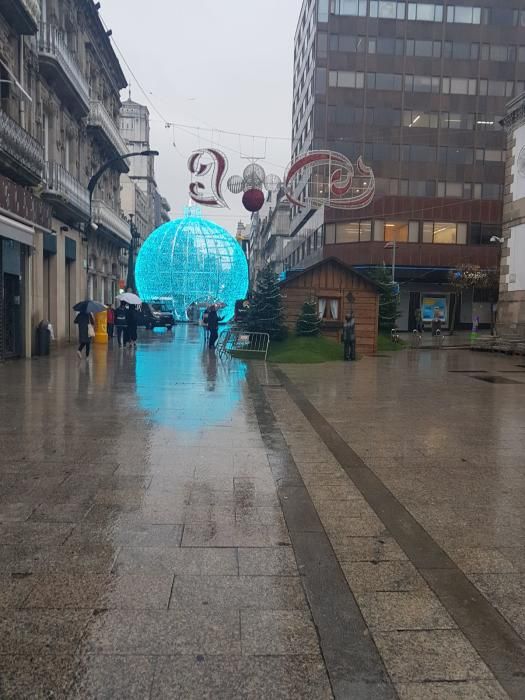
{"x":333,"y":179}
{"x":192,"y":261}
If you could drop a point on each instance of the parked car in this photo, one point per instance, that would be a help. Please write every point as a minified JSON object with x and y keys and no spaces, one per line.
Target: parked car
{"x":155,"y":315}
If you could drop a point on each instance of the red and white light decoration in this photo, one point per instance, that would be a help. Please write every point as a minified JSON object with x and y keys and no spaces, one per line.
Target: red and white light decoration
{"x":334,"y":181}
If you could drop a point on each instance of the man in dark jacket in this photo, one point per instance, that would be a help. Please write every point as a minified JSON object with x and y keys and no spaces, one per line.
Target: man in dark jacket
{"x":213,"y":326}
{"x":121,"y":323}
{"x":349,"y":337}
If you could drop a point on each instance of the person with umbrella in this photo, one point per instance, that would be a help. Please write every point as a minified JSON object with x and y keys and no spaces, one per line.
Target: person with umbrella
{"x":131,"y":320}
{"x":85,"y":321}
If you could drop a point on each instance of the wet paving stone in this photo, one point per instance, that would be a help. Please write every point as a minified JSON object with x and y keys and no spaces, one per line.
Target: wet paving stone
{"x":238,"y":592}
{"x":277,"y":633}
{"x":164,"y":633}
{"x":229,"y":678}
{"x":113,"y":677}
{"x":425,"y":656}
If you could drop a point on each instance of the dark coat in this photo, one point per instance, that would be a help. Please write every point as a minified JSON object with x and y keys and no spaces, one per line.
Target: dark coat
{"x":131,"y":318}
{"x":213,"y":320}
{"x":83,"y":320}
{"x":349,"y":331}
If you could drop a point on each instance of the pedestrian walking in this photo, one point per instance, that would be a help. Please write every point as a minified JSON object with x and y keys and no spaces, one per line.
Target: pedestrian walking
{"x":213,"y":326}
{"x":110,"y":320}
{"x":131,"y":320}
{"x":419,"y":321}
{"x":349,"y":337}
{"x":121,"y":323}
{"x":86,"y":332}
{"x":205,"y":316}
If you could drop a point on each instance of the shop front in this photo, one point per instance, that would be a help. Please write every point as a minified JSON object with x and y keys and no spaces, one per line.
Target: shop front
{"x":16,"y":240}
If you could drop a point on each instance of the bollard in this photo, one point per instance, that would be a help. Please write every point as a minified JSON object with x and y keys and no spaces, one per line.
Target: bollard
{"x":101,"y":328}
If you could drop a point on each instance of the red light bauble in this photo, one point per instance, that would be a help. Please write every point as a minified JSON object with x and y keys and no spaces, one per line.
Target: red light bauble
{"x":253,"y":200}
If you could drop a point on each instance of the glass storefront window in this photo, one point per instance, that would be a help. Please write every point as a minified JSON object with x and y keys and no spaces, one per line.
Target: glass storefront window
{"x":396,"y":231}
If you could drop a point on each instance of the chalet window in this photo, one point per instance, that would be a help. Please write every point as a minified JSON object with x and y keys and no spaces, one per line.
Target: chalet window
{"x":329,"y":309}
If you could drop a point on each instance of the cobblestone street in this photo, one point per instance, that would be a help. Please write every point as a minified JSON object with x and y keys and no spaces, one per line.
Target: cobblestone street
{"x":176,"y":526}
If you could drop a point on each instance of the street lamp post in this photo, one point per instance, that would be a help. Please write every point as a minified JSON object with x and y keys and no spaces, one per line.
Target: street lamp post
{"x":493,"y":308}
{"x":91,"y":189}
{"x":393,"y":246}
{"x":133,"y":248}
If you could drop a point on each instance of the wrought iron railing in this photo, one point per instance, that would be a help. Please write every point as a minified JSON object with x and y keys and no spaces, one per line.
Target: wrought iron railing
{"x":61,"y":182}
{"x":104,"y":216}
{"x":52,"y":44}
{"x":19,"y":145}
{"x":99,"y":116}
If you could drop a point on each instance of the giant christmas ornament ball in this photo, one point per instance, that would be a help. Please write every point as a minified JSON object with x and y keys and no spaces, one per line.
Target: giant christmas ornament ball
{"x":192,"y":261}
{"x":253,"y":200}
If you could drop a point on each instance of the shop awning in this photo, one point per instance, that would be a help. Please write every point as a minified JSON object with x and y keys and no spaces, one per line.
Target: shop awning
{"x":16,"y":231}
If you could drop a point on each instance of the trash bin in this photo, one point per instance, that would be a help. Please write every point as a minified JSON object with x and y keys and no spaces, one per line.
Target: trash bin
{"x":43,"y":338}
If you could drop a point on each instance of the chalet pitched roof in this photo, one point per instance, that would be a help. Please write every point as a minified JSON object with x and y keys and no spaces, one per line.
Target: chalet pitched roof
{"x":294,"y":274}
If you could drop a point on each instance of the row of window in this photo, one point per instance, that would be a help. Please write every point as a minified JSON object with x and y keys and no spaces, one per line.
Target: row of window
{"x":418,"y":153}
{"x":422,"y":48}
{"x":422,"y":83}
{"x":344,"y":115}
{"x":422,"y":12}
{"x":399,"y":231}
{"x":437,"y":232}
{"x":429,"y":188}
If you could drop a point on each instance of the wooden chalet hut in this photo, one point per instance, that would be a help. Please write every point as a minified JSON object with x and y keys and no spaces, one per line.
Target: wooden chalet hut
{"x":338,"y":288}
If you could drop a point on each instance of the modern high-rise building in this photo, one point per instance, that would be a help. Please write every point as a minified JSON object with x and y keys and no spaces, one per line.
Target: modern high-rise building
{"x":418,"y":90}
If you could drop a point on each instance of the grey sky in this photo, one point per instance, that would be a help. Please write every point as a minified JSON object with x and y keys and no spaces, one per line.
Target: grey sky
{"x":208,"y":64}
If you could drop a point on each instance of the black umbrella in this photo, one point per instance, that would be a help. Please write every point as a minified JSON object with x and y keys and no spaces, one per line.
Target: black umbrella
{"x":89,"y":307}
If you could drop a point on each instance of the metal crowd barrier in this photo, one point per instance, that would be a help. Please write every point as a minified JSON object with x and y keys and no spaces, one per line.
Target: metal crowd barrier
{"x":241,"y":343}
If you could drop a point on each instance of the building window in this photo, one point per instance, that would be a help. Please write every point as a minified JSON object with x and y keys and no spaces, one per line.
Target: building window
{"x":396,"y":231}
{"x":355,"y":8}
{"x":387,"y":9}
{"x":449,"y":233}
{"x":379,"y":230}
{"x":463,"y":15}
{"x":413,"y":232}
{"x":353,"y":231}
{"x":346,"y":79}
{"x":329,"y":308}
{"x":425,"y":12}
{"x":329,"y":234}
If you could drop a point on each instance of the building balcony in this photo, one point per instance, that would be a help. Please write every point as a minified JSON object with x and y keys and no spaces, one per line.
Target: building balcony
{"x":100,"y":121}
{"x":59,"y":65}
{"x":68,"y":197}
{"x":111,"y":222}
{"x":21,"y":202}
{"x":22,"y":15}
{"x":21,"y":156}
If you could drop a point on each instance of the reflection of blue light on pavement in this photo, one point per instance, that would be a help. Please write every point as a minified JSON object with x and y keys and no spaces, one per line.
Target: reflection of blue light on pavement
{"x":184,"y":386}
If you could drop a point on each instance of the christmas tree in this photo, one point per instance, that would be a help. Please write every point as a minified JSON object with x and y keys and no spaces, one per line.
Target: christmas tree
{"x":266,"y":313}
{"x":389,"y":298}
{"x":309,"y":323}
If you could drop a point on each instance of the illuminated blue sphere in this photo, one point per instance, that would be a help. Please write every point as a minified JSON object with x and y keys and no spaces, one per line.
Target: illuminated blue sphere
{"x":192,"y":261}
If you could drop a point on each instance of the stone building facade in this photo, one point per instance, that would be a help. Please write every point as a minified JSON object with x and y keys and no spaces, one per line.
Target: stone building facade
{"x":59,"y":123}
{"x":140,"y":195}
{"x":511,"y":307}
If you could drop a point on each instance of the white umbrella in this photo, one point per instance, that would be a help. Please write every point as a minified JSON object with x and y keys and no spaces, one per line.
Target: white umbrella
{"x":129,"y":298}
